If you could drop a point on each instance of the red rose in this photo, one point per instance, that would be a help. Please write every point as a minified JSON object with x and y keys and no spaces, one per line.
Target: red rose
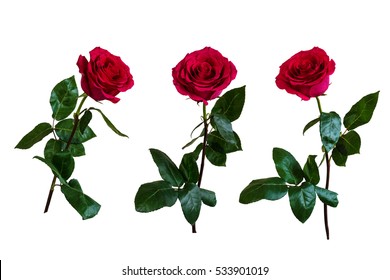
{"x":203,"y":74}
{"x":104,"y":76}
{"x":306,"y":73}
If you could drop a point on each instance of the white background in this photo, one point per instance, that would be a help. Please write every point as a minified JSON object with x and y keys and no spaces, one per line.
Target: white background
{"x":40,"y":44}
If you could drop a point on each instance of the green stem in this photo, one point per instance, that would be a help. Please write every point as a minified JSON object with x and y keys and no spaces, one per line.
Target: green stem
{"x":75,"y":124}
{"x":84,"y":96}
{"x":319,"y":104}
{"x":203,"y":157}
{"x":327,"y":179}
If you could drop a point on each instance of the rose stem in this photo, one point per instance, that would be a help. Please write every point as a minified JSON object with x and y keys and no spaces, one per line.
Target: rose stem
{"x":75,"y":124}
{"x":203,"y":154}
{"x":327,"y":180}
{"x":327,"y":187}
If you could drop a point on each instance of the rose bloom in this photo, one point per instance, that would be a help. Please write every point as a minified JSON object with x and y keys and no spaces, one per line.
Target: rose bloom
{"x":104,"y":76}
{"x":306,"y":73}
{"x":203,"y":74}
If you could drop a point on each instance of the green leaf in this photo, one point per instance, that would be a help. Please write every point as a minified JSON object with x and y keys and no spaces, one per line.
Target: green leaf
{"x":330,"y":126}
{"x":73,"y":191}
{"x":55,"y":146}
{"x":287,"y":166}
{"x":302,"y":200}
{"x":167,"y":168}
{"x":52,"y":147}
{"x":109,"y":123}
{"x":310,"y":124}
{"x":349,"y":144}
{"x":214,"y":138}
{"x":197,"y":151}
{"x":82,"y":203}
{"x":196,"y":127}
{"x":53,"y":169}
{"x":361,"y":112}
{"x":216,"y":155}
{"x":189,"y":168}
{"x":310,"y":170}
{"x":190,"y":143}
{"x":154,"y":195}
{"x":191,"y":202}
{"x":34,"y":136}
{"x":77,"y":150}
{"x":208,"y":197}
{"x":326,"y":196}
{"x":339,"y":158}
{"x":273,"y":188}
{"x":196,"y":138}
{"x":63,"y":98}
{"x":64,"y":163}
{"x":85,"y":120}
{"x":64,"y":129}
{"x":223,"y":125}
{"x":230,"y":104}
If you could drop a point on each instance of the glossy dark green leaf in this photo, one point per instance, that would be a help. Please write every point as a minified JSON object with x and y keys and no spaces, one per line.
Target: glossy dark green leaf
{"x":326,"y":196}
{"x":53,"y":169}
{"x":310,"y":170}
{"x":208,"y":197}
{"x":109,"y":123}
{"x":330,"y":126}
{"x":349,"y":144}
{"x":63,"y":98}
{"x":216,"y":155}
{"x":197,"y":151}
{"x":64,"y":129}
{"x":310,"y":124}
{"x":189,"y":168}
{"x":82,"y":203}
{"x":77,"y":150}
{"x":273,"y":188}
{"x":230,"y":104}
{"x":154,"y":195}
{"x":302,"y":200}
{"x":287,"y":166}
{"x":35,"y":135}
{"x":214,"y":138}
{"x":361,"y":112}
{"x":167,"y":168}
{"x":223,"y":125}
{"x":85,"y":205}
{"x":64,"y":163}
{"x":85,"y":120}
{"x":191,"y":202}
{"x":52,"y":147}
{"x":339,"y":158}
{"x":55,"y":146}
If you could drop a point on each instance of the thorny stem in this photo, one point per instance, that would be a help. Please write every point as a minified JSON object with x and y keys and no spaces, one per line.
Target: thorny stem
{"x":327,"y":180}
{"x":203,"y":157}
{"x":75,"y":125}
